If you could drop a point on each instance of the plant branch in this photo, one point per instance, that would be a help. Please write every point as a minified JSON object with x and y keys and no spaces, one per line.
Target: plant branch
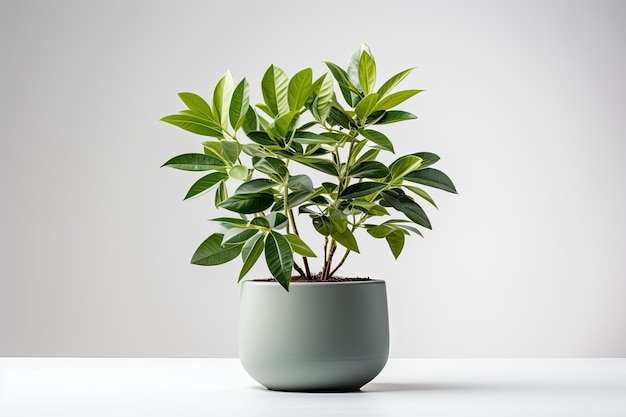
{"x":297,"y":268}
{"x":305,"y":261}
{"x":343,"y":259}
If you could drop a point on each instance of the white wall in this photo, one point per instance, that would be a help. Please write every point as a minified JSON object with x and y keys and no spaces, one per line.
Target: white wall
{"x":525,"y":103}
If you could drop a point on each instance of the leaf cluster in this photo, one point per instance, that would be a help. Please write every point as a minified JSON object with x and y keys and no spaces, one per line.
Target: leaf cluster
{"x":256,"y":159}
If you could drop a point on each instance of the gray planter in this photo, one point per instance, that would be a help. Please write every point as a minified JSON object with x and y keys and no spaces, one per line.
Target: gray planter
{"x":330,"y":336}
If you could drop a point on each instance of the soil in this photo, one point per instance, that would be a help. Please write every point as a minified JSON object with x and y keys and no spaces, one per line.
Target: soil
{"x":315,"y":278}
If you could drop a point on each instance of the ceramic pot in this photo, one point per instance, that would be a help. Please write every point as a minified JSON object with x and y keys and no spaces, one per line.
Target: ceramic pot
{"x":319,"y":336}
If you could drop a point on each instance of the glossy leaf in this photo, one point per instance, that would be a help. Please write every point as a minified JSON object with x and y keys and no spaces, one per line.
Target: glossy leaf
{"x":279,"y":258}
{"x":269,"y":165}
{"x":395,"y":240}
{"x":211,"y":252}
{"x":250,"y":253}
{"x":277,"y":220}
{"x":420,"y":192}
{"x":345,"y":239}
{"x":301,"y":182}
{"x":251,"y":122}
{"x":393,"y":99}
{"x":310,"y":138}
{"x":221,"y":193}
{"x":433,"y":178}
{"x":236,"y":236}
{"x":230,"y":150}
{"x":324,"y":99}
{"x":197,"y":103}
{"x":205,"y":183}
{"x":381,"y":230}
{"x":300,"y":88}
{"x":367,"y":72}
{"x":428,"y":159}
{"x":248,"y":203}
{"x":393,"y":81}
{"x":341,"y":118}
{"x":410,"y":208}
{"x":255,"y":186}
{"x":323,"y":165}
{"x":194,"y":124}
{"x":348,"y":90}
{"x":403,"y":165}
{"x":323,"y":225}
{"x":239,"y":105}
{"x":283,"y":124}
{"x":378,"y":138}
{"x":361,"y":189}
{"x":338,"y":218}
{"x":353,"y":65}
{"x":366,"y":106}
{"x":369,"y":169}
{"x":274,"y":87}
{"x":222,"y":96}
{"x":299,"y":246}
{"x":261,"y":138}
{"x":194,"y":162}
{"x":238,"y":172}
{"x":394,"y":116}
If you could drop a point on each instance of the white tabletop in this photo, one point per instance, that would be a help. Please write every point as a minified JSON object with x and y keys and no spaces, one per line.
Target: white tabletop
{"x":88,"y":387}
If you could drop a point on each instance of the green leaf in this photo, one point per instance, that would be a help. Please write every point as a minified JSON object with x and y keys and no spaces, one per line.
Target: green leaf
{"x":197,"y":103}
{"x":261,"y":138}
{"x":285,"y":123}
{"x":279,"y":258}
{"x":433,"y":178}
{"x":345,"y":239}
{"x":236,"y":236}
{"x":367,"y":72}
{"x":300,"y":88}
{"x":369,"y":155}
{"x":378,"y":138}
{"x":296,"y":198}
{"x":324,"y":99}
{"x":274,"y":86}
{"x":369,"y":169}
{"x":350,"y":93}
{"x":403,"y":165}
{"x":323,"y":225}
{"x":250,"y":253}
{"x":323,"y":165}
{"x":251,"y":122}
{"x":366,"y":106}
{"x":394,"y":116}
{"x":230,"y":150}
{"x":194,"y":162}
{"x":410,"y":208}
{"x":421,"y":193}
{"x":277,"y":220}
{"x":361,"y":189}
{"x":239,"y":105}
{"x":221,"y":99}
{"x":194,"y":124}
{"x":393,"y":99}
{"x":214,"y":149}
{"x":393,"y":81}
{"x":299,"y":246}
{"x":310,"y":138}
{"x":341,"y":118}
{"x":353,"y":64}
{"x":372,"y":209}
{"x":221,"y":193}
{"x":338,"y":218}
{"x":301,"y":182}
{"x":395,"y":240}
{"x":205,"y":183}
{"x":266,"y":109}
{"x":255,"y":186}
{"x":211,"y":252}
{"x":269,"y":165}
{"x":248,"y":203}
{"x":230,"y":222}
{"x":380,"y":231}
{"x":428,"y":159}
{"x":238,"y":172}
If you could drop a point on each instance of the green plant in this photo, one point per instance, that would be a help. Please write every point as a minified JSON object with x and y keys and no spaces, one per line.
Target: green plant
{"x":301,"y":127}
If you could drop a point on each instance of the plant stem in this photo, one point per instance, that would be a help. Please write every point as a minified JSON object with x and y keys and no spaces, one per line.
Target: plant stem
{"x":300,"y":271}
{"x":343,"y":259}
{"x":333,"y":247}
{"x":305,"y":261}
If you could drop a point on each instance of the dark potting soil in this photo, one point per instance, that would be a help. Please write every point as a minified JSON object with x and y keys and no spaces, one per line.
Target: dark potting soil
{"x":315,"y":278}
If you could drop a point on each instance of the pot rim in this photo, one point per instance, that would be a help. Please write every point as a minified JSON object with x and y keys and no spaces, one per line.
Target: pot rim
{"x":305,"y":283}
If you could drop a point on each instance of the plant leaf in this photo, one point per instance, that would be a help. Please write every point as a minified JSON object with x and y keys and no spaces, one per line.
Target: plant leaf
{"x":300,"y":88}
{"x":378,"y":138}
{"x":194,"y":124}
{"x":238,"y":172}
{"x":222,"y":96}
{"x":395,"y":240}
{"x":345,"y":239}
{"x":279,"y":258}
{"x":262,"y":138}
{"x":394,"y":116}
{"x":393,"y":99}
{"x":361,"y":189}
{"x":369,"y":169}
{"x":205,"y":183}
{"x":236,"y":236}
{"x":324,"y":99}
{"x":283,"y":124}
{"x":367,"y":72}
{"x":299,"y":246}
{"x":255,"y":186}
{"x":277,"y":220}
{"x":230,"y":150}
{"x":420,"y":192}
{"x":211,"y":252}
{"x":274,"y":86}
{"x":393,"y":81}
{"x":353,"y":65}
{"x":239,"y":104}
{"x":197,"y":103}
{"x":323,"y":225}
{"x":250,"y":253}
{"x":403,"y":165}
{"x":194,"y":162}
{"x":248,"y":203}
{"x":310,"y":138}
{"x":323,"y":165}
{"x":350,"y":93}
{"x":433,"y":178}
{"x":301,"y":182}
{"x":269,"y":165}
{"x":366,"y":106}
{"x":410,"y":208}
{"x":428,"y":159}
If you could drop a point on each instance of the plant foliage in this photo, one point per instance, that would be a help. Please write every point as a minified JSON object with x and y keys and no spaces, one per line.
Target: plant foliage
{"x":264,"y":153}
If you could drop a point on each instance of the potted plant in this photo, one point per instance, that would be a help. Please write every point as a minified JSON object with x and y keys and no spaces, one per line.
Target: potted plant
{"x":303,"y":157}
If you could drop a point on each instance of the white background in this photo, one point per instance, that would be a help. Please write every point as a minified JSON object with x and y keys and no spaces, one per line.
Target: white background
{"x":525,"y":104}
